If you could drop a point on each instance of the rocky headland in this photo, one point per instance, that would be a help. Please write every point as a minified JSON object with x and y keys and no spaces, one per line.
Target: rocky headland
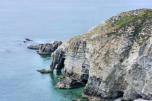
{"x":47,"y":48}
{"x":112,"y":60}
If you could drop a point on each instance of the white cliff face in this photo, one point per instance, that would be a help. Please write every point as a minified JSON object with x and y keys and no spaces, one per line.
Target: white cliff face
{"x":76,"y":61}
{"x":139,"y":77}
{"x":114,"y":59}
{"x":122,"y":63}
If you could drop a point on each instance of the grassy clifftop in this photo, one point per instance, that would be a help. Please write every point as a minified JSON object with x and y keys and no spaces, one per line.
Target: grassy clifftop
{"x":115,"y":22}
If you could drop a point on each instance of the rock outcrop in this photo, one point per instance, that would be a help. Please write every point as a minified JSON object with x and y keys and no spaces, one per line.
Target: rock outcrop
{"x":69,"y":82}
{"x":114,"y":59}
{"x":44,"y":71}
{"x":35,"y":47}
{"x":46,"y":49}
{"x":58,"y":58}
{"x":27,"y":40}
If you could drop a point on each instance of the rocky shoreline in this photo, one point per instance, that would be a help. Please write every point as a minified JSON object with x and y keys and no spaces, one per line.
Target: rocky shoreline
{"x":47,"y":48}
{"x":44,"y":49}
{"x":113,"y":60}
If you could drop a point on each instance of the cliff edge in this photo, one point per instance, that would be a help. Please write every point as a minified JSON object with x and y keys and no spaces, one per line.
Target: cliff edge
{"x":114,"y":59}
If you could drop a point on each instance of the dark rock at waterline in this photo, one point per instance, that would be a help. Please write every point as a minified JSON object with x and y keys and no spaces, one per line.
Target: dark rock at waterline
{"x":49,"y":48}
{"x":58,"y":58}
{"x":69,"y":83}
{"x":76,"y":100}
{"x":27,"y":40}
{"x":34,"y":47}
{"x":46,"y":49}
{"x":44,"y":71}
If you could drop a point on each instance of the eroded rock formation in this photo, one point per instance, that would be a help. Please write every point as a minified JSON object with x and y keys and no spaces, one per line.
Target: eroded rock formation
{"x":114,"y":59}
{"x":46,"y":49}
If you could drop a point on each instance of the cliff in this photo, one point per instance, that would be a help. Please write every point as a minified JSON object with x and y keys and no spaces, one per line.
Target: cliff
{"x":114,"y":59}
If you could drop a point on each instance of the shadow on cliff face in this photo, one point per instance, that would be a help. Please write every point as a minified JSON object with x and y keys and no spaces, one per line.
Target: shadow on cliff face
{"x":76,"y":65}
{"x":58,"y":58}
{"x":85,"y":73}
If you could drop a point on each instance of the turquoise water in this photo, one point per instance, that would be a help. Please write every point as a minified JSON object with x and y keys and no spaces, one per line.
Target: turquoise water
{"x":43,"y":21}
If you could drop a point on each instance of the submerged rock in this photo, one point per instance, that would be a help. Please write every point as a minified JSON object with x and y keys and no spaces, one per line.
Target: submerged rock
{"x":46,"y":49}
{"x":76,"y":100}
{"x":114,"y":59}
{"x":34,"y":47}
{"x":27,"y":40}
{"x":44,"y":71}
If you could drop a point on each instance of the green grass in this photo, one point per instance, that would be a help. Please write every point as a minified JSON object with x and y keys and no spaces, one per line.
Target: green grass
{"x":127,"y":19}
{"x":110,"y":26}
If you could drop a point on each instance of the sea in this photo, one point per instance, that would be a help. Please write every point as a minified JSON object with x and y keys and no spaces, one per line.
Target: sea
{"x":44,"y":21}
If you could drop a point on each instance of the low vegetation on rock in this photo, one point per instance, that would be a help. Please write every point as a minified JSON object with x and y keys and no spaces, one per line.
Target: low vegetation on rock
{"x":114,"y":59}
